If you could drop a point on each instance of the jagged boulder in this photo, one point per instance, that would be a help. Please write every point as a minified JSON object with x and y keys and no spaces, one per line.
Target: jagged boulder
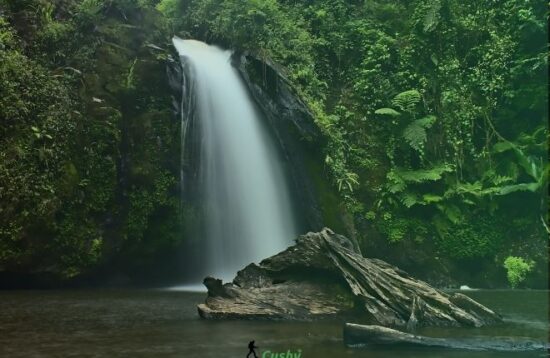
{"x":324,"y":275}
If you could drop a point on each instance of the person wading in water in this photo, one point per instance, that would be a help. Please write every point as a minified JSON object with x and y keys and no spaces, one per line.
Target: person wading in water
{"x":251,"y":347}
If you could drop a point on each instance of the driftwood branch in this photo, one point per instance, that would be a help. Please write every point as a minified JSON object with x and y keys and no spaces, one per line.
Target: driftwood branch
{"x":324,"y":275}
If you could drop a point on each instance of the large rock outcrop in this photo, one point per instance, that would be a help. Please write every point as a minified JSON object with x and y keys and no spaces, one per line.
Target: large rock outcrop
{"x":299,"y":140}
{"x":324,"y":275}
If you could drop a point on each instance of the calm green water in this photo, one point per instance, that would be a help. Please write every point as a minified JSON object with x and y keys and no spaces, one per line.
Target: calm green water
{"x":157,"y":323}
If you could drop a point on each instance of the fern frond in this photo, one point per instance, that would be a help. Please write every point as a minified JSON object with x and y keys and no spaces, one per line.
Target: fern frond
{"x":349,"y":180}
{"x":388,"y":112}
{"x":395,"y":183}
{"x":397,"y":187}
{"x":501,"y":179}
{"x":424,"y":175}
{"x":407,"y":101}
{"x":415,"y":133}
{"x":433,"y":15}
{"x":426,"y":122}
{"x":474,"y":188}
{"x":409,"y":199}
{"x":415,"y":136}
{"x":431,"y":198}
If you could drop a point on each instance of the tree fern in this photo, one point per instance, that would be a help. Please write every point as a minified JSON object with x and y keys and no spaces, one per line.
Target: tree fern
{"x":407,"y":101}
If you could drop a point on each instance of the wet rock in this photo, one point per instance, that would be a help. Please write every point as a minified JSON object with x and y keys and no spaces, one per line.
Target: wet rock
{"x":324,"y":275}
{"x":293,"y":126}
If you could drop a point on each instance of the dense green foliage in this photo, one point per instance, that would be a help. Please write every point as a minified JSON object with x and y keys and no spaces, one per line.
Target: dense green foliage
{"x":517,"y":269}
{"x":435,"y":113}
{"x":87,"y":174}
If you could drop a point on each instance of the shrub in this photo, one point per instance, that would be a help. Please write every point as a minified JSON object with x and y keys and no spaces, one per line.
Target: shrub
{"x":517,"y":269}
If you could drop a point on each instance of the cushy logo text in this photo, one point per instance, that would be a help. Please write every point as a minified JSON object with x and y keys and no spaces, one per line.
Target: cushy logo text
{"x":288,"y":354}
{"x":272,"y":354}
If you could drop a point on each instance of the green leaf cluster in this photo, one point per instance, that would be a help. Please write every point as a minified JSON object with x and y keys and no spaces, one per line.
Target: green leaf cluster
{"x":517,"y":269}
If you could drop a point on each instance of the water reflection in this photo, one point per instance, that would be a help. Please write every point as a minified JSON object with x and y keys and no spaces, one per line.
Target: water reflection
{"x":164,"y":323}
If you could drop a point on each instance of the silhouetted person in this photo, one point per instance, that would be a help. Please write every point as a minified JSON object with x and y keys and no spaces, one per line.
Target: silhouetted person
{"x":251,"y":347}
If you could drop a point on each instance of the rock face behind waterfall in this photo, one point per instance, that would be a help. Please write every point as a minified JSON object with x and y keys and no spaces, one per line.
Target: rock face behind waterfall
{"x":299,"y":138}
{"x":324,"y":275}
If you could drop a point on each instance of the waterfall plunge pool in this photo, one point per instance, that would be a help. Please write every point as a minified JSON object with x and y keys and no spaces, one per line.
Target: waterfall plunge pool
{"x":163,"y":323}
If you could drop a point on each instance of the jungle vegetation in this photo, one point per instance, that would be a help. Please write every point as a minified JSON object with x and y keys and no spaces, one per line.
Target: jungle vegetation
{"x":434,"y":111}
{"x":87,"y":176}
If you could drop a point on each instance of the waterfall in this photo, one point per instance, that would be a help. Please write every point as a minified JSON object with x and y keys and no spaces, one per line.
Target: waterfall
{"x":245,"y":196}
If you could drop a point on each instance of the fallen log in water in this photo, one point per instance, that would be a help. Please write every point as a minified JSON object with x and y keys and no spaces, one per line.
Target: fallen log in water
{"x":325,"y":275}
{"x":357,"y":335}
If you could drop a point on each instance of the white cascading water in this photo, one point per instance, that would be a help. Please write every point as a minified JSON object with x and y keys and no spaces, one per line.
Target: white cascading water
{"x":248,"y":212}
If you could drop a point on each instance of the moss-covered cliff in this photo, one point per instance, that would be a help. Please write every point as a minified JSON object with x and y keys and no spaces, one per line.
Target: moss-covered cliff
{"x":89,"y":143}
